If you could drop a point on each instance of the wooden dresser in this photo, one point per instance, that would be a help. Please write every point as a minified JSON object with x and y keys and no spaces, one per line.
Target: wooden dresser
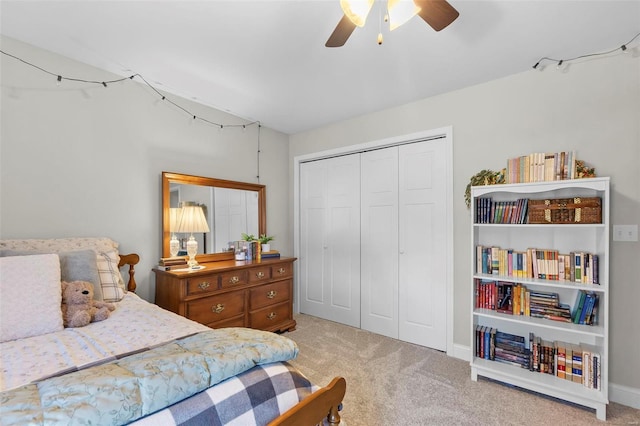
{"x":232,"y":293}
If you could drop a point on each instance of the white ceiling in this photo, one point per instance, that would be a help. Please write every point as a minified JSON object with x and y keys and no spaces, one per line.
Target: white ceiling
{"x":265,"y":60}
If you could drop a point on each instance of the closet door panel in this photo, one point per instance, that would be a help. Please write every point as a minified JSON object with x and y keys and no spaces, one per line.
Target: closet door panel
{"x":379,"y":249}
{"x":313,"y":228}
{"x":422,"y":239}
{"x":342,"y":238}
{"x":330,"y":236}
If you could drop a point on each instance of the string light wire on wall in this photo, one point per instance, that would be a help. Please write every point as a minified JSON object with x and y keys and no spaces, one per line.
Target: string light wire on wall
{"x":559,"y":62}
{"x":60,"y":78}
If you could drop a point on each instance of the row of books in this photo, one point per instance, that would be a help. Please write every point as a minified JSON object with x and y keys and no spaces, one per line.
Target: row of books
{"x":541,"y":167}
{"x":511,"y":212}
{"x":546,"y":264}
{"x":586,"y":308}
{"x":579,"y":363}
{"x":516,"y":299}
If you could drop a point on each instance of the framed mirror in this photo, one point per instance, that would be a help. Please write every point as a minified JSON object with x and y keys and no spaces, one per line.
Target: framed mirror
{"x":230,"y":208}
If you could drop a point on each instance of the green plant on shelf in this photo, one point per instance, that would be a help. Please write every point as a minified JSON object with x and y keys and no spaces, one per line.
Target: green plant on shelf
{"x":265,"y":239}
{"x":484,"y":177}
{"x":248,"y":237}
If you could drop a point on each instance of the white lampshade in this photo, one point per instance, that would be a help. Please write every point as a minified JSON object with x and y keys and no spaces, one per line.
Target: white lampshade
{"x":356,"y":10}
{"x":192,"y":220}
{"x":400,"y":11}
{"x":175,"y":213}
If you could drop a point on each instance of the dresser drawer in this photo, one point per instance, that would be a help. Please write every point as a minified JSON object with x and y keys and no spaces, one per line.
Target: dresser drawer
{"x":270,"y":316}
{"x":216,"y":308}
{"x":259,"y":274}
{"x":284,"y":270}
{"x":202,"y":284}
{"x":234,"y":278}
{"x":270,"y":294}
{"x":233,"y":322}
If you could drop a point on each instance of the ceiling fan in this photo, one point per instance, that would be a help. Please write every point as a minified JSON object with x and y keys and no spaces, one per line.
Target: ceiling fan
{"x":437,"y":13}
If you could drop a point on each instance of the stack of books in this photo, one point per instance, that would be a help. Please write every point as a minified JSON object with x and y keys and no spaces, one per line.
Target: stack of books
{"x":169,"y":263}
{"x":547,"y":305}
{"x":271,"y":254}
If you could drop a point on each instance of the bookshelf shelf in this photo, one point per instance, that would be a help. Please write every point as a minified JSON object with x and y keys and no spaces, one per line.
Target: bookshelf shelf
{"x":543,"y":283}
{"x":563,"y":239}
{"x":539,"y":382}
{"x":589,"y":330}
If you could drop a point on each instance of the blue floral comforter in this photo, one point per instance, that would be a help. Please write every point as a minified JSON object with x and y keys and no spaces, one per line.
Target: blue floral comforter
{"x":121,"y":391}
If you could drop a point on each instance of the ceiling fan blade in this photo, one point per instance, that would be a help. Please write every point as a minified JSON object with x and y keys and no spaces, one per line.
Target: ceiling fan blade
{"x":437,"y":13}
{"x":341,"y":34}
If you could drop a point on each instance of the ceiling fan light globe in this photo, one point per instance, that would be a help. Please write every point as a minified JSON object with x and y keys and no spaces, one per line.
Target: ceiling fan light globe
{"x":356,"y":10}
{"x":400,"y":11}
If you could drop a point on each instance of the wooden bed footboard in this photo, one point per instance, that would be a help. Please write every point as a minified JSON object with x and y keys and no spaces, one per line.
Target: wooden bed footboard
{"x":317,"y":407}
{"x":131,"y":260}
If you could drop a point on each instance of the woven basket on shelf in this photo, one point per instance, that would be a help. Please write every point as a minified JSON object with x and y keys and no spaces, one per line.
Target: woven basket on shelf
{"x":566,"y":210}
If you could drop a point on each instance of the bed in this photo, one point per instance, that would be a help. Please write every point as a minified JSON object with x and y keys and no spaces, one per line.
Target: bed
{"x":142,"y":365}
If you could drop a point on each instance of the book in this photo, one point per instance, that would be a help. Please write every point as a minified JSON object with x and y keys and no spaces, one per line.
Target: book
{"x":576,"y":365}
{"x":561,"y":359}
{"x":487,"y":343}
{"x":568,"y":361}
{"x":579,"y":305}
{"x":504,"y":303}
{"x":170,"y":261}
{"x":577,"y":262}
{"x":271,"y":254}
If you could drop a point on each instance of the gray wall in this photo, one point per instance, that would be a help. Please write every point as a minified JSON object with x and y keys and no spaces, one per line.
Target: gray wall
{"x":84,"y":160}
{"x":592,"y":107}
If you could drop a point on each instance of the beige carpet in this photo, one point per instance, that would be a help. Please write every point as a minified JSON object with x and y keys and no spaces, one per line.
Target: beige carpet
{"x":396,"y":383}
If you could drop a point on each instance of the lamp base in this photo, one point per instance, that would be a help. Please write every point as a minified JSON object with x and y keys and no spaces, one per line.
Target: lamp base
{"x":174,"y":246}
{"x":192,"y":250}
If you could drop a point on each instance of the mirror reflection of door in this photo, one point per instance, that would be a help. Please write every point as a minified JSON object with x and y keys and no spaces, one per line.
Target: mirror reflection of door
{"x":232,"y":212}
{"x":236,"y":213}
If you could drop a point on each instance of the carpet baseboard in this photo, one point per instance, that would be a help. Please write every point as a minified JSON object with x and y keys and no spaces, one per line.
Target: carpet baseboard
{"x":461,"y":352}
{"x":624,"y":395}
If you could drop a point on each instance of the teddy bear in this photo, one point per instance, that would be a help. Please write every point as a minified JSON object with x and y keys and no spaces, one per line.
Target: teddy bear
{"x":78,"y":306}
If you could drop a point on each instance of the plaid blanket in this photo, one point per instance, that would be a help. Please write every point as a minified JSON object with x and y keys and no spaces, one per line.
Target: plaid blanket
{"x":254,"y":397}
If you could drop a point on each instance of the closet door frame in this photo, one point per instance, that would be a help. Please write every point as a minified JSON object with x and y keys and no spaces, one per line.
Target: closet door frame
{"x":444,"y":133}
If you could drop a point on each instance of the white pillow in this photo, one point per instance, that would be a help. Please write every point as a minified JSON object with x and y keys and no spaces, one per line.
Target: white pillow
{"x":30,"y":296}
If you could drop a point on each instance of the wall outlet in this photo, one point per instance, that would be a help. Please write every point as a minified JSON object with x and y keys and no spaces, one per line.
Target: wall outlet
{"x":625,"y":232}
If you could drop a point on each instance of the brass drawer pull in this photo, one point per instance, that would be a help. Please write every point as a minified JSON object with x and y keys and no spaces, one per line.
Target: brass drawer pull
{"x":260,"y":274}
{"x":234,"y":280}
{"x":282,"y":271}
{"x":204,"y":285}
{"x":271,"y":294}
{"x":272,"y":316}
{"x":217,"y":308}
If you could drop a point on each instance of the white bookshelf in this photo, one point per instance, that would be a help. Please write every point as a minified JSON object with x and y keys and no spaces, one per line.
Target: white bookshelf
{"x":566,"y":238}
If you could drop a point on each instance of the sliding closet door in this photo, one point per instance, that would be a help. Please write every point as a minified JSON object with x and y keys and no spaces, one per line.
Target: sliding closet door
{"x":330,"y":239}
{"x":423,"y":244}
{"x":379,"y":250}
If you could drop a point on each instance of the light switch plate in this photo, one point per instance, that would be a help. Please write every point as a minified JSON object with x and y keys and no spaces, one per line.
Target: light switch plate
{"x":625,"y":232}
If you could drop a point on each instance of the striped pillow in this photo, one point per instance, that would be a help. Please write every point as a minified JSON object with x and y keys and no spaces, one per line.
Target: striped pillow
{"x":113,"y":288}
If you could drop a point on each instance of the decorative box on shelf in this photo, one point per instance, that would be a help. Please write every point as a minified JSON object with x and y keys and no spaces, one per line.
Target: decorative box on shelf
{"x":566,"y":210}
